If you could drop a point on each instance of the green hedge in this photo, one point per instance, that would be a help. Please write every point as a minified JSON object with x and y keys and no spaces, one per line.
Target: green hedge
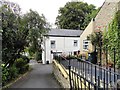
{"x":9,"y":74}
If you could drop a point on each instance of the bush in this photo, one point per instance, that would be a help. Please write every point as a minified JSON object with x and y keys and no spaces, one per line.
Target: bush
{"x":25,"y":58}
{"x":24,"y":69}
{"x":13,"y":72}
{"x":22,"y":65}
{"x":20,"y":62}
{"x":8,"y":74}
{"x":5,"y":75}
{"x":71,"y":57}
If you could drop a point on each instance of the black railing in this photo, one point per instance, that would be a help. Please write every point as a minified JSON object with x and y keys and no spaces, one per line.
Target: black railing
{"x":84,"y":74}
{"x":94,"y":75}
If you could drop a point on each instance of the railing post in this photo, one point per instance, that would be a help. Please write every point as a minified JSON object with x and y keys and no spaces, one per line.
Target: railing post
{"x":59,"y":58}
{"x":91,"y":73}
{"x":98,"y":82}
{"x":107,"y":67}
{"x":104,"y":80}
{"x":100,"y":73}
{"x":106,"y":57}
{"x":69,"y":66}
{"x":110,"y":76}
{"x":114,"y":63}
{"x":95,"y":74}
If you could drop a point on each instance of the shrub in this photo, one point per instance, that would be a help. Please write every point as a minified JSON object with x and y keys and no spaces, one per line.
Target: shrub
{"x":13,"y":72}
{"x":21,"y":65}
{"x":25,"y":58}
{"x":8,"y":74}
{"x":20,"y":62}
{"x":25,"y":68}
{"x":71,"y":57}
{"x":5,"y":75}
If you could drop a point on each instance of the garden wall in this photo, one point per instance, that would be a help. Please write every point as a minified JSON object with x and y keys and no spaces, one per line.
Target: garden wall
{"x":61,"y":74}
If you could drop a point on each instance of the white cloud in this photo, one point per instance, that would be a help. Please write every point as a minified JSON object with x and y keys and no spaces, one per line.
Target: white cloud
{"x":48,"y":7}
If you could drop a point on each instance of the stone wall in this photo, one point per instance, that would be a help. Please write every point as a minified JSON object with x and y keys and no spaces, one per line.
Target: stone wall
{"x":100,"y":22}
{"x":105,"y":15}
{"x":61,"y":74}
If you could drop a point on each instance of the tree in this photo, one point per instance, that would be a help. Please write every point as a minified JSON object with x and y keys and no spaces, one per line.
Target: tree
{"x":20,"y":32}
{"x":96,"y":38}
{"x":37,"y":26}
{"x":13,"y":36}
{"x":75,"y":15}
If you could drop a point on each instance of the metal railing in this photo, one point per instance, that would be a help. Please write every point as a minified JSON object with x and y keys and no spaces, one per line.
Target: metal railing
{"x":84,"y":74}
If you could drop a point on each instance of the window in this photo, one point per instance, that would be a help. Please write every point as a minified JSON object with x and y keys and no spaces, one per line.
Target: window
{"x":75,"y":43}
{"x":52,"y":44}
{"x":85,"y":44}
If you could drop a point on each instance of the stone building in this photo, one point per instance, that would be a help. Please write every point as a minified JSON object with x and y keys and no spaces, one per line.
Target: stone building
{"x":99,"y":23}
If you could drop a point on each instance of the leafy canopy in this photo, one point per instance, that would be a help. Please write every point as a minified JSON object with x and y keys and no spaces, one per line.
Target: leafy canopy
{"x":19,"y":32}
{"x":75,"y":15}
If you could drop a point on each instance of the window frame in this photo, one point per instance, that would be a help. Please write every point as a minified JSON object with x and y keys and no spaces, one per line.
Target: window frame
{"x":85,"y":44}
{"x":53,"y":44}
{"x":75,"y":43}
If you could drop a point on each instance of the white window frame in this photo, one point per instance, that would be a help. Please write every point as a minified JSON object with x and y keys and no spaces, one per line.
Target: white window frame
{"x":85,"y":44}
{"x":53,"y":44}
{"x":75,"y":43}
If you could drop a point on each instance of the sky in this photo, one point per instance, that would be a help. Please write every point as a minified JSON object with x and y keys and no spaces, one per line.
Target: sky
{"x":49,"y":7}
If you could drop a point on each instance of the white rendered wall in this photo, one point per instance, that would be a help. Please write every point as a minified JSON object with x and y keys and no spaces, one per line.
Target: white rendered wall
{"x":63,"y":44}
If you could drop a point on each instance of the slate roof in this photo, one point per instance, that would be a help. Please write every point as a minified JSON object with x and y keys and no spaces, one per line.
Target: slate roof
{"x":65,"y":32}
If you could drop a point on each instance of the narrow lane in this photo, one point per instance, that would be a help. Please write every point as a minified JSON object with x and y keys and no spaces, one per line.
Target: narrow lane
{"x":40,"y":77}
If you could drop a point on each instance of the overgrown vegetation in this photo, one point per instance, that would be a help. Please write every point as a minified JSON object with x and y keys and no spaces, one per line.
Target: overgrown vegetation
{"x":112,"y":38}
{"x":20,"y":33}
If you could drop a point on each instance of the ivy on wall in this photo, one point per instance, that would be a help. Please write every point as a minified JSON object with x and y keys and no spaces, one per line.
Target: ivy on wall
{"x":111,"y":38}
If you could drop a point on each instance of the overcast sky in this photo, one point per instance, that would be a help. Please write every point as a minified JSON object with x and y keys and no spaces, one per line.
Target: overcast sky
{"x":49,"y":7}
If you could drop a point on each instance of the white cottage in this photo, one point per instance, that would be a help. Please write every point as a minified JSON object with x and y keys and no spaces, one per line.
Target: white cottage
{"x":60,"y":41}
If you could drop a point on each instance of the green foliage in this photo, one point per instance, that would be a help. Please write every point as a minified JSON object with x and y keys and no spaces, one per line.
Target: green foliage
{"x":13,"y":36}
{"x":9,"y":74}
{"x":118,"y":64}
{"x":20,"y":62}
{"x":19,"y":32}
{"x":112,"y":37}
{"x":38,"y":56}
{"x":22,"y":65}
{"x":25,"y":58}
{"x":37,"y":26}
{"x":5,"y":75}
{"x":71,"y":57}
{"x":13,"y":72}
{"x":95,"y":38}
{"x":75,"y":15}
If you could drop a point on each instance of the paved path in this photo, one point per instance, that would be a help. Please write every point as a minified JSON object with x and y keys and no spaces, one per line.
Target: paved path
{"x":40,"y":77}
